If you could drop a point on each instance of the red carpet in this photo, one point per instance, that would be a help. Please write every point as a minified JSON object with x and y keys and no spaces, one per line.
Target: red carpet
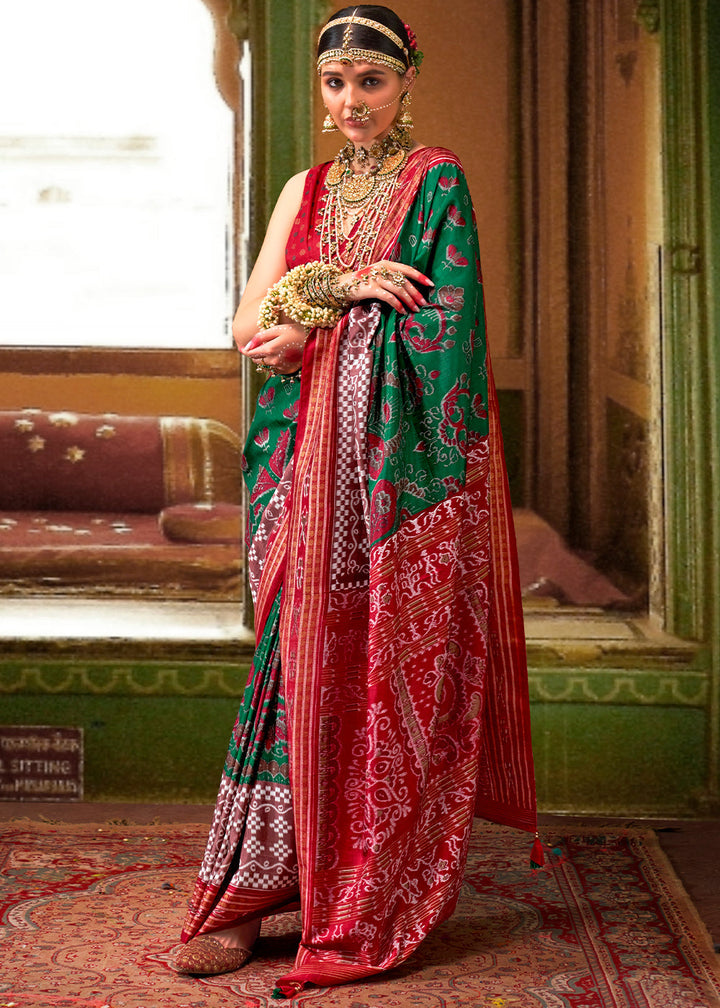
{"x":89,"y":915}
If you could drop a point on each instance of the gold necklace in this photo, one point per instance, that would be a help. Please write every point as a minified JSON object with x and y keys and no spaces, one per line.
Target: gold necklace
{"x":358,"y":202}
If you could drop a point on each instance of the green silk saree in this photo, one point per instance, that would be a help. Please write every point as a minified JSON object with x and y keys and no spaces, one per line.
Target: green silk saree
{"x":388,"y":700}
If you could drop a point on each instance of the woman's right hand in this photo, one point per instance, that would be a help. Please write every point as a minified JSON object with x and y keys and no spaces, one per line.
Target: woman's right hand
{"x":392,"y":282}
{"x":279,"y":349}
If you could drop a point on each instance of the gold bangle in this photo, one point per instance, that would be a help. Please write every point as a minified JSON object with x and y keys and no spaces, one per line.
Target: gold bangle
{"x":290,"y":295}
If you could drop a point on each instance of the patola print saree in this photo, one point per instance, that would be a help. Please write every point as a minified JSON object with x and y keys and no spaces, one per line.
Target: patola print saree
{"x":388,"y":701}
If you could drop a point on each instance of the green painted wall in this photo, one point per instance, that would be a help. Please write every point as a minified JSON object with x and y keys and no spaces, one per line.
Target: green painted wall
{"x":619,"y":760}
{"x":141,"y":749}
{"x":153,"y":731}
{"x":608,"y":737}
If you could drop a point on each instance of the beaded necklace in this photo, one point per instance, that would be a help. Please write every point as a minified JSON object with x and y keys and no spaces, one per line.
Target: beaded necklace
{"x":357,"y":203}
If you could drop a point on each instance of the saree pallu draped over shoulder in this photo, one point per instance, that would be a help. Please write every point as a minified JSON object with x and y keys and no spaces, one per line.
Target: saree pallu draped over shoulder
{"x":387,"y":594}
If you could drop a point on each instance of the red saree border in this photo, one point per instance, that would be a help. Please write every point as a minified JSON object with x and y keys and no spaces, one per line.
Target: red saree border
{"x":507,"y":659}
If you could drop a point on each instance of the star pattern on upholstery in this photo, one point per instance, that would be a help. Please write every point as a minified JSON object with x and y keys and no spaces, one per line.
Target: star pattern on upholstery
{"x":23,"y":425}
{"x":74,"y":454}
{"x":106,"y":431}
{"x":36,"y":443}
{"x":63,"y":419}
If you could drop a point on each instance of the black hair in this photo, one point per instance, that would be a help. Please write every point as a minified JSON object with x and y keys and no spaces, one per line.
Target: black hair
{"x":364,"y":37}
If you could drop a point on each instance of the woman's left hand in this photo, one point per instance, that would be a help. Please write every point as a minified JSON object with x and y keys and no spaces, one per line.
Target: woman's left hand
{"x":279,"y":348}
{"x":395,"y":283}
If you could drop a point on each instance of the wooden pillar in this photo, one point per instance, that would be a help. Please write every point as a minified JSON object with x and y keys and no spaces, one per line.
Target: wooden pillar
{"x":690,"y":36}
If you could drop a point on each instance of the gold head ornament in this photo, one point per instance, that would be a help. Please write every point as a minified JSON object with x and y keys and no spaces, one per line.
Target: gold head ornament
{"x":352,"y":54}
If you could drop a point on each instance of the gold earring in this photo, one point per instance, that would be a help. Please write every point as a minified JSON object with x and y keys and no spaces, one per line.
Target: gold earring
{"x":406,"y":119}
{"x":328,"y":125}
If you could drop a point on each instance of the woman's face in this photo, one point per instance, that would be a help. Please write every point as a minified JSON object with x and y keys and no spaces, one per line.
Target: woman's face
{"x":348,"y":87}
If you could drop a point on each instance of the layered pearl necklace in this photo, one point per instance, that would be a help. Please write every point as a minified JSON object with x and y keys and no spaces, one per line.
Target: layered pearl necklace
{"x":360,"y":186}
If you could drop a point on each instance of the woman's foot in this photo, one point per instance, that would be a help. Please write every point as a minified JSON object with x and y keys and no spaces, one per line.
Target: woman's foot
{"x":242,"y":936}
{"x":220,"y":952}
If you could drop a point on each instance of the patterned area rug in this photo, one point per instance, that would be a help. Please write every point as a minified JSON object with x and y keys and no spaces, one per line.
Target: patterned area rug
{"x":90,"y":915}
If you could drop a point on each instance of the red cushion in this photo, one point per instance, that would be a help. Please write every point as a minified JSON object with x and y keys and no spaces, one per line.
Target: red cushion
{"x":202,"y":523}
{"x":67,"y":461}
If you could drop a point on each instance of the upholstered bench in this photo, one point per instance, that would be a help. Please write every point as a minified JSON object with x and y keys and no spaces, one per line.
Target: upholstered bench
{"x":113,"y":504}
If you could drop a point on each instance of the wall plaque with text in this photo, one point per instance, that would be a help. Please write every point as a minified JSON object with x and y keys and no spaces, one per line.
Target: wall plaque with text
{"x":41,"y":763}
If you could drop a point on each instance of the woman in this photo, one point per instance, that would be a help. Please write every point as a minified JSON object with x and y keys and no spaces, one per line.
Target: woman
{"x":387,"y":702}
